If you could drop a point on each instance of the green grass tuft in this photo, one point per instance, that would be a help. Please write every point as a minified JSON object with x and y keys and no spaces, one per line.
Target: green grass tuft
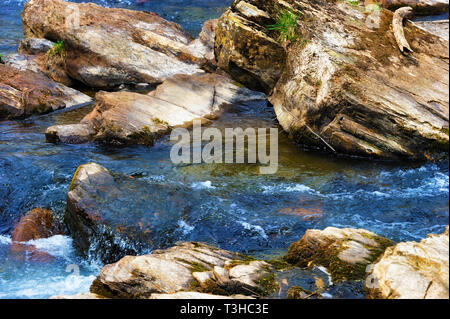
{"x":57,"y":49}
{"x":286,"y":23}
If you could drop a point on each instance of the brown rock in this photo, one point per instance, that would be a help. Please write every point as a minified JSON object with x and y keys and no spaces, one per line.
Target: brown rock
{"x":421,"y":7}
{"x":23,"y":93}
{"x":246,"y":49}
{"x":37,"y":223}
{"x":165,"y":273}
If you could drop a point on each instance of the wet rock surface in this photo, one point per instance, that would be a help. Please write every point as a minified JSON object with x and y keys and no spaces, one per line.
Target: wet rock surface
{"x":412,"y":270}
{"x":36,"y":224}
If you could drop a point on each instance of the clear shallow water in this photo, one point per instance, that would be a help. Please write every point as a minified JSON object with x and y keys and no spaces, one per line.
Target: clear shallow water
{"x":231,"y":206}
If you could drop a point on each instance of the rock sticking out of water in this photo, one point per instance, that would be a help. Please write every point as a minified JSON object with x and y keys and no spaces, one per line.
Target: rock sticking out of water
{"x":344,"y":86}
{"x":23,"y":93}
{"x":346,"y":252}
{"x":176,"y":269}
{"x":132,"y":118}
{"x":412,"y":270}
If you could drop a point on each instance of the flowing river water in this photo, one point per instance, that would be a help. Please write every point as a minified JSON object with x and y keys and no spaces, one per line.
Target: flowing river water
{"x":228,"y":205}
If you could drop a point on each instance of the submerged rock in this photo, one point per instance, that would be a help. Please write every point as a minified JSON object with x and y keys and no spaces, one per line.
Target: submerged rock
{"x":348,"y":89}
{"x":132,"y":118}
{"x":172,"y":270}
{"x":23,"y":93}
{"x":105,"y":47}
{"x":36,"y":224}
{"x":412,"y":270}
{"x":345,"y":252}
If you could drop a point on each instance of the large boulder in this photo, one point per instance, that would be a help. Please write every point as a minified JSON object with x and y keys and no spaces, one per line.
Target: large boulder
{"x":133,"y":118}
{"x":106,"y":47}
{"x":345,"y":252}
{"x":348,"y":89}
{"x":412,"y":270}
{"x":23,"y":93}
{"x":246,"y":49}
{"x":176,"y":269}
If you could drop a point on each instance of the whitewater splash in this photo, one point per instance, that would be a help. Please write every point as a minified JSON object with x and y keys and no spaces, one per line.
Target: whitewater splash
{"x":65,"y":274}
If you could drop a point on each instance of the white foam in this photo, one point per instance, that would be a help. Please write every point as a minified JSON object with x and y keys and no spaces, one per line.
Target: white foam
{"x":255,"y":228}
{"x":5,"y":240}
{"x":58,"y":245}
{"x":283,"y":188}
{"x":203,"y":185}
{"x":185,"y":228}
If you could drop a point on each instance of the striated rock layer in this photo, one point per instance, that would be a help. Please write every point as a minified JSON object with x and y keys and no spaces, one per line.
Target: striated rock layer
{"x":177,"y":269}
{"x":132,"y":118}
{"x":106,"y":47}
{"x":345,"y":86}
{"x":24,"y":92}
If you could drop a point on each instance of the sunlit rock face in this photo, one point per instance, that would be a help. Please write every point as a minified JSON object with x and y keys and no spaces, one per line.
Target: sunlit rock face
{"x":178,"y":269}
{"x":106,"y":47}
{"x":412,"y":270}
{"x":246,"y":49}
{"x":24,"y":92}
{"x":340,"y":83}
{"x":346,"y":252}
{"x":421,"y":7}
{"x":133,"y":118}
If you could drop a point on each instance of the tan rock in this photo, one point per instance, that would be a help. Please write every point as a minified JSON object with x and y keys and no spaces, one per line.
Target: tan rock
{"x":348,"y":89}
{"x":422,"y":7}
{"x":181,"y":270}
{"x":72,"y":134}
{"x":244,"y":47}
{"x":346,"y":252}
{"x":23,"y":93}
{"x":132,"y":118}
{"x":412,"y":270}
{"x":108,"y":46}
{"x":34,"y":46}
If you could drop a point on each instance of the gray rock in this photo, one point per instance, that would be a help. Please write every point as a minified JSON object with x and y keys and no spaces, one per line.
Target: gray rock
{"x":34,"y":46}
